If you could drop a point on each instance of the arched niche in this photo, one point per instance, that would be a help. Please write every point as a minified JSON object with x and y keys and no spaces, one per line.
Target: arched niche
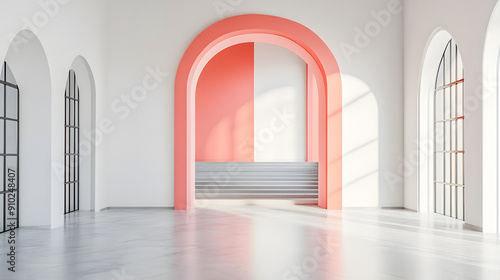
{"x":323,"y":76}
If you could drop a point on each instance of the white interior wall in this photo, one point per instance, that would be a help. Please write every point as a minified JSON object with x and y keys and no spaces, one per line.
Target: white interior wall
{"x":65,"y":29}
{"x":361,"y":148}
{"x":142,"y":143}
{"x":139,"y":154}
{"x":466,"y":22}
{"x":139,"y":39}
{"x":279,"y":105}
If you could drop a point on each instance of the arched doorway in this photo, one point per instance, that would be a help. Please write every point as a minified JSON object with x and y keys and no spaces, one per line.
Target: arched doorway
{"x":79,"y":141}
{"x":448,"y":134}
{"x":27,"y":59}
{"x":441,"y":123}
{"x":9,"y":157}
{"x":71,"y":145}
{"x":87,"y":141}
{"x":491,"y":124}
{"x":323,"y":76}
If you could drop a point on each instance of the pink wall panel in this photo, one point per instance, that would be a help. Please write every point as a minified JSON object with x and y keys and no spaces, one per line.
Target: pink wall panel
{"x":225,"y":106}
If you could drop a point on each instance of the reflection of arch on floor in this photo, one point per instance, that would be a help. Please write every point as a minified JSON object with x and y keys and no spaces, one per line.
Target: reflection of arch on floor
{"x":324,"y":136}
{"x":491,"y":141}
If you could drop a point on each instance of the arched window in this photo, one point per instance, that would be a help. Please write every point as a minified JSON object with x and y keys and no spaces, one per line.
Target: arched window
{"x":449,"y":117}
{"x":71,"y":145}
{"x":9,"y":147}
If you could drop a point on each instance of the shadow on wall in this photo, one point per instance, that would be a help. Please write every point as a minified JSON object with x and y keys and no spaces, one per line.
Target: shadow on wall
{"x":360,"y":151}
{"x":235,"y":146}
{"x":225,"y":106}
{"x":251,"y":105}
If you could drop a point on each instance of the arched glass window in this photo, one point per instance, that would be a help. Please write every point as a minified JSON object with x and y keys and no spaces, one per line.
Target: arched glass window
{"x":449,"y":117}
{"x":9,"y":147}
{"x":71,"y":145}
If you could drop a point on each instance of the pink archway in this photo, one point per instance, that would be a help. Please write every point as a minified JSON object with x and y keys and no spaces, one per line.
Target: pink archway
{"x":324,"y":95}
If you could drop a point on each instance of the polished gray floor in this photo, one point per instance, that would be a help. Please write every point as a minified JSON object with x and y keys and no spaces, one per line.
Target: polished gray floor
{"x":253,"y":242}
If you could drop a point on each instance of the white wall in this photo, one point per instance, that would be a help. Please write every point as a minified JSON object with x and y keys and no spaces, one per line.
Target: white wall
{"x":466,"y":21}
{"x":65,"y":29}
{"x":122,"y":38}
{"x":139,"y":154}
{"x":125,"y":41}
{"x":280,"y":105}
{"x":361,"y":156}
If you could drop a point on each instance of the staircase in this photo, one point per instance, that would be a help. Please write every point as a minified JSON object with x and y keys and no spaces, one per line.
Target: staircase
{"x":257,"y":180}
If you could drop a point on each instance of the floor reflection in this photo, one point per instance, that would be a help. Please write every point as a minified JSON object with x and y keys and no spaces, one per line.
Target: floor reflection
{"x":254,"y":242}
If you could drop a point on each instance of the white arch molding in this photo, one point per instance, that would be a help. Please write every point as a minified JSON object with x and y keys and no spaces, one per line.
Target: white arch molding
{"x":29,"y":65}
{"x":430,"y":63}
{"x":86,"y":83}
{"x":491,"y":140}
